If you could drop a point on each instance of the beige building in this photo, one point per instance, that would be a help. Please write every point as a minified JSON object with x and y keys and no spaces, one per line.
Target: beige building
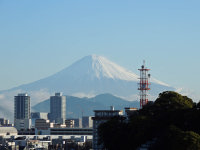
{"x":8,"y":131}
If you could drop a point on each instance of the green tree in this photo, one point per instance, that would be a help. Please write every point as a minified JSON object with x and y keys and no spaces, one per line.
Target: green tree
{"x":171,"y":122}
{"x":170,"y":100}
{"x":175,"y":139}
{"x":112,"y":133}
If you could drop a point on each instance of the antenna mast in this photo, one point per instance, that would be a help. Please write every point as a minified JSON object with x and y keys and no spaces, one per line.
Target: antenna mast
{"x":144,"y":85}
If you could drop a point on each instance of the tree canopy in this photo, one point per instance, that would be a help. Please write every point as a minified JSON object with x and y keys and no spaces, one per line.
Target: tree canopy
{"x":171,"y":122}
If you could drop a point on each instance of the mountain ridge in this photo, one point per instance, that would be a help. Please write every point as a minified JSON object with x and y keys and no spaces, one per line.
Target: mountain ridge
{"x":88,"y":70}
{"x":75,"y":106}
{"x":90,"y":76}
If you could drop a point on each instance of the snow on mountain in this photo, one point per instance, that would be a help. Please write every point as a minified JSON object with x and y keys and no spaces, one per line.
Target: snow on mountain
{"x":97,"y":67}
{"x":102,"y":67}
{"x":89,"y":76}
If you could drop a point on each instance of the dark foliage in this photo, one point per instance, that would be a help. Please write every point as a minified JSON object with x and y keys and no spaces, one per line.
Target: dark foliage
{"x":171,"y":123}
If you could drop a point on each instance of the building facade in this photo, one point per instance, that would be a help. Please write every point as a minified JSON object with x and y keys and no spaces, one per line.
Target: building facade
{"x":129,"y":111}
{"x":8,"y":131}
{"x":22,"y":116}
{"x":71,"y":131}
{"x":38,"y":115}
{"x":4,"y":122}
{"x":58,"y":108}
{"x":69,"y":123}
{"x":101,"y":116}
{"x":42,"y":127}
{"x":77,"y":122}
{"x":87,"y":122}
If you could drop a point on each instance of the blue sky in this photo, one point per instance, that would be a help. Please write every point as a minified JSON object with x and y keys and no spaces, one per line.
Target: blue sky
{"x":41,"y":37}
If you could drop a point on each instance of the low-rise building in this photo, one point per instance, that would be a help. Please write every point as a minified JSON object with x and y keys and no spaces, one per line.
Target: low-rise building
{"x":42,"y":127}
{"x":5,"y":122}
{"x":23,"y":124}
{"x":77,"y":122}
{"x":58,"y":125}
{"x":69,"y":123}
{"x":8,"y":131}
{"x":101,"y":116}
{"x":26,"y":131}
{"x":71,"y":131}
{"x":130,"y":111}
{"x":38,"y":115}
{"x":39,"y":142}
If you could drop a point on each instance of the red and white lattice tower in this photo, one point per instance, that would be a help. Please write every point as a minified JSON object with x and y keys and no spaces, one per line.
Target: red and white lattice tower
{"x":144,"y":85}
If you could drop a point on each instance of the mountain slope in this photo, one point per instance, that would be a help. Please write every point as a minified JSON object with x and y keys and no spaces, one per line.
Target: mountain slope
{"x":6,"y":113}
{"x":76,"y":107}
{"x":93,"y":75}
{"x":89,"y":76}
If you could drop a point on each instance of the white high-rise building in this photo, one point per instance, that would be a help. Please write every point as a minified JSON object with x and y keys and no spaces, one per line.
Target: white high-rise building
{"x":22,"y":118}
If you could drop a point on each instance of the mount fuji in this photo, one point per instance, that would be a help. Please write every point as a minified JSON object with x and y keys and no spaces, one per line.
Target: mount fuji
{"x":88,"y":77}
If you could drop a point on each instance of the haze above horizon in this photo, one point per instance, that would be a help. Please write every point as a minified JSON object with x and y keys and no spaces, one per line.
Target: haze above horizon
{"x":40,"y":38}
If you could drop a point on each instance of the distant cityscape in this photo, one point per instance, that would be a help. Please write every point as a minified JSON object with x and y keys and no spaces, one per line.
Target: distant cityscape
{"x":54,"y":130}
{"x":92,"y":82}
{"x":38,"y":130}
{"x":99,"y":75}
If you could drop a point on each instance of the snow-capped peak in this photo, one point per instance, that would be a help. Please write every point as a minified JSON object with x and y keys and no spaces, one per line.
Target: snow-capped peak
{"x":94,"y":66}
{"x":102,"y":67}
